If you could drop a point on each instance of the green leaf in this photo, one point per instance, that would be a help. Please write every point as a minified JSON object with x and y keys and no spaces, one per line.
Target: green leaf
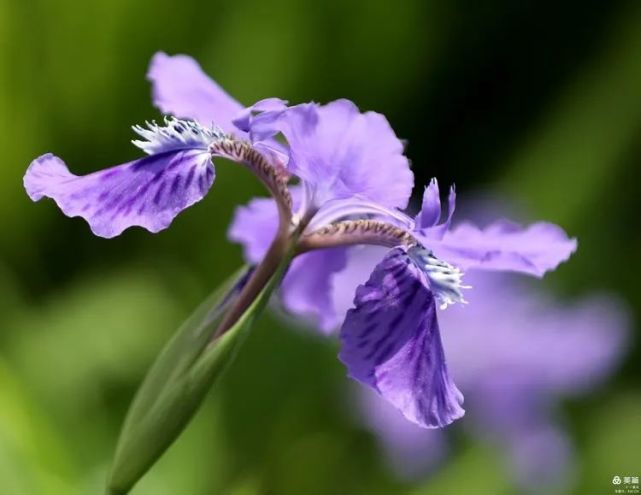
{"x":177,"y":383}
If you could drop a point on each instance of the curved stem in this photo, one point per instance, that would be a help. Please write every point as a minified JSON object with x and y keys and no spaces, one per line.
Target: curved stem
{"x":274,"y":177}
{"x":281,"y":248}
{"x":262,"y":274}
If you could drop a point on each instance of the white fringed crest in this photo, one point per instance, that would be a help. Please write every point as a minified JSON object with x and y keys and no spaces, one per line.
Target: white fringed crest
{"x":176,"y":134}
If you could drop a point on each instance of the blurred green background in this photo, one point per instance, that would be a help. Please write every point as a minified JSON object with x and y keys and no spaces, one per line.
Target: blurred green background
{"x":537,"y":101}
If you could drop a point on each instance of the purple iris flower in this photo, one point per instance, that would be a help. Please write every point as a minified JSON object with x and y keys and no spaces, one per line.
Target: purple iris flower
{"x":515,"y":353}
{"x":390,"y":333}
{"x":338,"y":179}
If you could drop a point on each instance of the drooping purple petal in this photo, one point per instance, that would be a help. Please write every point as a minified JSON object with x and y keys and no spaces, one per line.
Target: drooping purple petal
{"x":341,"y":152}
{"x":148,"y":193}
{"x":505,"y":246}
{"x":515,"y":353}
{"x":181,"y":88}
{"x":392,"y":343}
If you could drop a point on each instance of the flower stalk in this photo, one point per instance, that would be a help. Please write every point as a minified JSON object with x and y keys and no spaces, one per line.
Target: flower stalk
{"x":273,"y":175}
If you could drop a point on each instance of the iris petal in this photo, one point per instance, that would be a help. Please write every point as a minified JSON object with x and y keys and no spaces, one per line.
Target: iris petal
{"x":430,"y":214}
{"x":254,"y":226}
{"x":342,"y":152}
{"x":506,"y":246}
{"x":391,"y":342}
{"x":181,"y":88}
{"x":502,"y":246}
{"x":431,"y":210}
{"x":148,"y":193}
{"x":307,"y":289}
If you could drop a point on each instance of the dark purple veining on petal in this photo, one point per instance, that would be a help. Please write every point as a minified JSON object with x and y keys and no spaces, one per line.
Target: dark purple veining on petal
{"x":149,"y":192}
{"x":391,"y":342}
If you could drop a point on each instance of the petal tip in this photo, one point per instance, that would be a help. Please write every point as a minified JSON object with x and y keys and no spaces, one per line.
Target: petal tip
{"x":42,"y":173}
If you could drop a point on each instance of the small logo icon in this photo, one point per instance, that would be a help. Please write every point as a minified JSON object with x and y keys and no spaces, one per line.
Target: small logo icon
{"x":616,"y":480}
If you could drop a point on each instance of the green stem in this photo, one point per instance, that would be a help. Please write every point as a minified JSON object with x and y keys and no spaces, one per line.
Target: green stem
{"x":256,"y":283}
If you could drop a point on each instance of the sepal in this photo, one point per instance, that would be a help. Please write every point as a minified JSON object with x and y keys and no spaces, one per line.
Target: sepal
{"x":178,"y":381}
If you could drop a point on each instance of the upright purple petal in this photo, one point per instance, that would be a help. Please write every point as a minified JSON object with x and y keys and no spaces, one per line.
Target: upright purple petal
{"x":505,"y":246}
{"x":257,"y":120}
{"x":392,"y":343}
{"x":181,"y":88}
{"x":148,"y":193}
{"x":343,"y":153}
{"x":430,"y":212}
{"x":427,"y":221}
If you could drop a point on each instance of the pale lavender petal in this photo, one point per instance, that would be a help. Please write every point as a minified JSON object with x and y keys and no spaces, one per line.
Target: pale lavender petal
{"x":260,"y":127}
{"x":392,"y":343}
{"x":306,"y":289}
{"x":438,"y":231}
{"x":181,"y":88}
{"x":148,"y":193}
{"x":430,"y":212}
{"x":361,"y":261}
{"x":515,"y":415}
{"x":539,"y":343}
{"x":253,"y":227}
{"x":258,"y":122}
{"x":343,"y":153}
{"x":411,"y":451}
{"x":505,"y":246}
{"x":255,"y":224}
{"x":514,"y":365}
{"x":427,"y":221}
{"x":541,"y":459}
{"x":580,"y":345}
